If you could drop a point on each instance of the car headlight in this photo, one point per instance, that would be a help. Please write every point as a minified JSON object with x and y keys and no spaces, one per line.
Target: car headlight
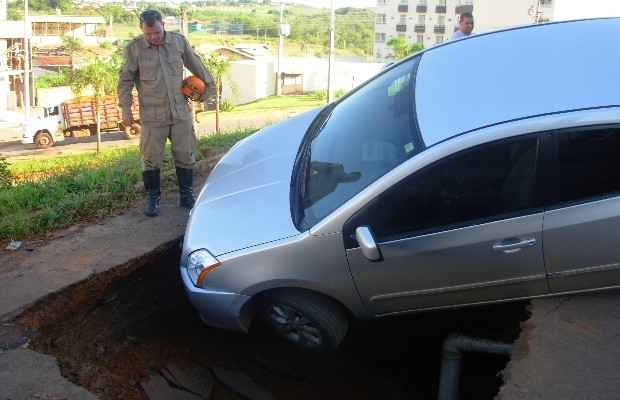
{"x":199,"y":264}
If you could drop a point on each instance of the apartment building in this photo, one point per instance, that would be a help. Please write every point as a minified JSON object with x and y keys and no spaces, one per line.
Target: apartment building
{"x":500,"y":14}
{"x":428,"y":22}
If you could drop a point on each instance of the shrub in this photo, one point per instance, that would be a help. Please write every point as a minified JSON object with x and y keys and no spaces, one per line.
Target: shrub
{"x":226,"y":106}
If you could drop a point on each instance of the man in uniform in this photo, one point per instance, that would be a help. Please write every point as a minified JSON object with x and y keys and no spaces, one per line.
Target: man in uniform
{"x":153,"y":63}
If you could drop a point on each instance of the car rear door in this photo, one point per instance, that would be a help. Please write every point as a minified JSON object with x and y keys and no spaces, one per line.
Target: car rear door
{"x":582,"y":221}
{"x":464,"y":230}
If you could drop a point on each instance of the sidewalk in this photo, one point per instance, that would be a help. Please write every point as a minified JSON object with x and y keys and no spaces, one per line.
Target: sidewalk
{"x":569,"y":349}
{"x":71,"y":256}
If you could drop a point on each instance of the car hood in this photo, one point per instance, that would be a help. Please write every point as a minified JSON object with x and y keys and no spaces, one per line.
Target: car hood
{"x":246,"y":200}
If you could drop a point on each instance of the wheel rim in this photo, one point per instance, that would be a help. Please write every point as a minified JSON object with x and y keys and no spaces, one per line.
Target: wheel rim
{"x":294,"y":326}
{"x":44,"y":140}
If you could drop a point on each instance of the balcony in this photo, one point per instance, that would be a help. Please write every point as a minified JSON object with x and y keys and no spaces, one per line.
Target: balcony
{"x":440,"y":9}
{"x":403,"y":8}
{"x":440,"y":29}
{"x":401,"y":28}
{"x":464,"y":8}
{"x":421,"y":9}
{"x":419,"y":28}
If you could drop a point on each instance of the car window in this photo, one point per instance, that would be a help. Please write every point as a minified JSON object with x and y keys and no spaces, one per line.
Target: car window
{"x":489,"y":182}
{"x":367,"y":134}
{"x":588,"y":164}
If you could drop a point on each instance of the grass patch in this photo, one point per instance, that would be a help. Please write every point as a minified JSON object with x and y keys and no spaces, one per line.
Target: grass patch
{"x":50,"y":194}
{"x":272,"y":103}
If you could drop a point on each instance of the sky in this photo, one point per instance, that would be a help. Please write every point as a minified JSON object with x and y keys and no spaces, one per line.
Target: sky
{"x":339,"y":3}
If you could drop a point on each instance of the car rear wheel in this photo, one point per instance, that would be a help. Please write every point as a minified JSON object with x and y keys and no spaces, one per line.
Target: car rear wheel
{"x":43,"y":140}
{"x":306,"y":319}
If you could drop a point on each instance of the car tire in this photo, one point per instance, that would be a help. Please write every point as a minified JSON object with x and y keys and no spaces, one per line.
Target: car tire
{"x":305,"y":319}
{"x":43,"y":140}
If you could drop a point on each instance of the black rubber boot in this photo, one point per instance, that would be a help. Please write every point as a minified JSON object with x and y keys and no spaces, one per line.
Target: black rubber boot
{"x":185,"y":177}
{"x":153,"y":194}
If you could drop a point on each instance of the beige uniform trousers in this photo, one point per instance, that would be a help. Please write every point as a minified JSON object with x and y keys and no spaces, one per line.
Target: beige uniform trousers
{"x":153,"y":142}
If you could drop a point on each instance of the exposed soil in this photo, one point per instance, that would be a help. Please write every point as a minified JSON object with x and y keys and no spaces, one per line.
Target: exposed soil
{"x":113,"y":331}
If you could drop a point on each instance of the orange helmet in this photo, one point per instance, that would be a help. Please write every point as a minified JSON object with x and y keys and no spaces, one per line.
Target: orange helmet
{"x":193,"y":87}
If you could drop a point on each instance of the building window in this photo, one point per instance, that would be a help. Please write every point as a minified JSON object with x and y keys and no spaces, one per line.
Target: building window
{"x":421,"y":19}
{"x":381,"y":19}
{"x":420,"y":39}
{"x":403,"y":19}
{"x":441,"y":20}
{"x":439,"y":39}
{"x":380,"y":37}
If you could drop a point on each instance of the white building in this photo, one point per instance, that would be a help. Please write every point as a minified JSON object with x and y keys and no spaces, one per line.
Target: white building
{"x":429,"y":22}
{"x":492,"y":15}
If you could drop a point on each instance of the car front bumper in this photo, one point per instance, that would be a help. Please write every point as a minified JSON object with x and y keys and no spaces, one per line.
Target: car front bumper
{"x":217,"y":308}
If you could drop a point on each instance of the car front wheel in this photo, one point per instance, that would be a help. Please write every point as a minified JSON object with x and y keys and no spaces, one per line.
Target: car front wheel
{"x":306,"y":319}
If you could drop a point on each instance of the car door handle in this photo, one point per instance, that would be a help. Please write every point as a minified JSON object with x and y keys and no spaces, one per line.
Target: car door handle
{"x":367,"y":243}
{"x":513,"y":247}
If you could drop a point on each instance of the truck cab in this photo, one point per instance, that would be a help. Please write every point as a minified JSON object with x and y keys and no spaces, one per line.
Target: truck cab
{"x":45,"y":128}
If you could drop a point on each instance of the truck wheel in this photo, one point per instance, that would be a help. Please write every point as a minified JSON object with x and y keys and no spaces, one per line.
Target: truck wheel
{"x":305,"y":319}
{"x":43,"y":140}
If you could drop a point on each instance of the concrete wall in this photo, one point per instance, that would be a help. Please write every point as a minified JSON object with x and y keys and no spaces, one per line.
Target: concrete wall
{"x":254,"y":79}
{"x":347,"y":74}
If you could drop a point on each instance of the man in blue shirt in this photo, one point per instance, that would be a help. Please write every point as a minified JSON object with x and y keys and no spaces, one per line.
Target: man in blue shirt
{"x":466,"y":26}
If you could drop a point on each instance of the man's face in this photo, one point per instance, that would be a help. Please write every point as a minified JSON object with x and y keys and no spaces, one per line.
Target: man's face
{"x":154,"y":34}
{"x":466,"y":25}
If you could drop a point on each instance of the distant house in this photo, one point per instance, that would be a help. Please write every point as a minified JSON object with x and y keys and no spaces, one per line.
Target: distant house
{"x":253,"y":50}
{"x":48,"y":30}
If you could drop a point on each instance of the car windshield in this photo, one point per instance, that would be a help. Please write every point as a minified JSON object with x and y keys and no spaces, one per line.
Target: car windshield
{"x":365,"y":136}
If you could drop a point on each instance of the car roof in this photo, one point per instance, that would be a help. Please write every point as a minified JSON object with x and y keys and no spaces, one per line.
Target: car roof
{"x":517,"y":73}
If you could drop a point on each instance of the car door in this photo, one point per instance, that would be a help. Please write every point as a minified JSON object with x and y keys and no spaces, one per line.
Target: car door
{"x":582,"y":222}
{"x":466,"y":229}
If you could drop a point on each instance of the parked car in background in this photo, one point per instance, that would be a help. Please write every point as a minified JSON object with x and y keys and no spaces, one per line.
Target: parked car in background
{"x":479,"y":171}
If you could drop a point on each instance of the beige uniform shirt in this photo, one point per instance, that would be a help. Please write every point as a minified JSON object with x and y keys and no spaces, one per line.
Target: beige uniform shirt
{"x":157,"y":74}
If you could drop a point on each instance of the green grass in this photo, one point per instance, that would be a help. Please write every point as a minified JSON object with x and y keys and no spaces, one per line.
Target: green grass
{"x":271,"y":103}
{"x":50,"y":194}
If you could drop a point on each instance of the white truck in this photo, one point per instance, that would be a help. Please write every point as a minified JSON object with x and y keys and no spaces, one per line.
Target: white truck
{"x":74,"y":118}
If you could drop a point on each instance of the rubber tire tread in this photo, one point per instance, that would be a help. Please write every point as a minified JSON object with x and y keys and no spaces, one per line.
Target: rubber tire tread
{"x":325,"y":313}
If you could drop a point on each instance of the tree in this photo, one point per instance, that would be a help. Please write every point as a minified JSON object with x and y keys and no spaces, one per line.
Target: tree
{"x":402,"y":49}
{"x":218,"y":66}
{"x":101,"y":75}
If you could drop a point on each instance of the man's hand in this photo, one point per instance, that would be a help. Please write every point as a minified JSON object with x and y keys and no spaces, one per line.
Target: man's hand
{"x":128,"y":120}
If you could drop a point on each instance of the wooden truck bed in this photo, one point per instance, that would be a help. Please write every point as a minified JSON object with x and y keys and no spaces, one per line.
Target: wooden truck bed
{"x":79,"y":113}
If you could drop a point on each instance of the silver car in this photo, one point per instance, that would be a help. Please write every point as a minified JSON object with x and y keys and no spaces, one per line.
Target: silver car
{"x":478,"y":171}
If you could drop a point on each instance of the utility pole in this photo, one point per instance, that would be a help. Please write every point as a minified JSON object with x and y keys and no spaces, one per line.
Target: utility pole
{"x":332,"y":57}
{"x":280,"y":51}
{"x":26,"y":64}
